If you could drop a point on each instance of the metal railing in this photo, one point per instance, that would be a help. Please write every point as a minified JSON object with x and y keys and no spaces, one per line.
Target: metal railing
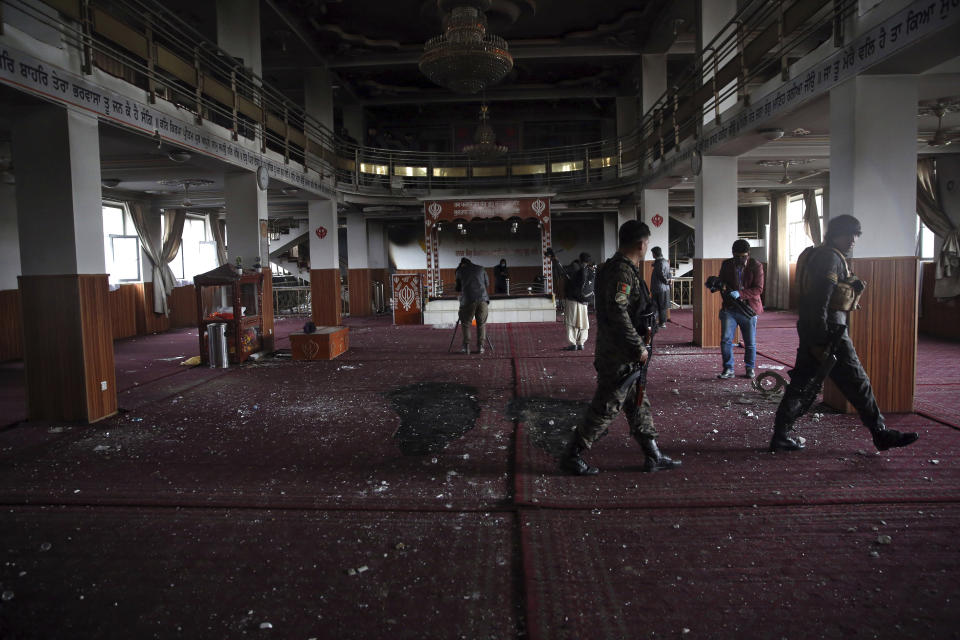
{"x":291,"y":301}
{"x":681,"y":292}
{"x":151,"y":47}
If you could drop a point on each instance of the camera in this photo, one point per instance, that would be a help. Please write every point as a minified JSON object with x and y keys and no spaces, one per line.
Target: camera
{"x":549,"y":253}
{"x":714,"y":284}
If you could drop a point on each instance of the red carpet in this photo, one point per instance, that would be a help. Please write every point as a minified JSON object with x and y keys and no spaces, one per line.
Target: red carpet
{"x":723,"y":450}
{"x":281,"y":434}
{"x":793,"y":572}
{"x":75,"y":572}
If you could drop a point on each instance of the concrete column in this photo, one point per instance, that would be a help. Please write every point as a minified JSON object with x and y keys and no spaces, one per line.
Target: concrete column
{"x":627,"y":116}
{"x":9,"y":238}
{"x":715,"y":226}
{"x":358,"y":264}
{"x":68,"y":355}
{"x":715,"y":15}
{"x":318,"y":97}
{"x":610,"y":228}
{"x":873,"y":163}
{"x":238,"y":31}
{"x":324,"y":262}
{"x":246,"y":219}
{"x":654,"y":209}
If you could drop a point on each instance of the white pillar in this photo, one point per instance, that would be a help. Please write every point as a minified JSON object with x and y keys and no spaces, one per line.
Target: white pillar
{"x":654,"y":208}
{"x":610,"y":229}
{"x":318,"y":97}
{"x":357,"y":252}
{"x":9,"y":238}
{"x":324,"y":251}
{"x":59,"y":208}
{"x":873,"y":161}
{"x":715,"y":207}
{"x":715,"y":15}
{"x":238,"y":31}
{"x":376,"y":245}
{"x":246,"y":219}
{"x":654,"y":79}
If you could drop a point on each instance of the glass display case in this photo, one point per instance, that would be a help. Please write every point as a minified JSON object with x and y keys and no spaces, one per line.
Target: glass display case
{"x":235,"y":298}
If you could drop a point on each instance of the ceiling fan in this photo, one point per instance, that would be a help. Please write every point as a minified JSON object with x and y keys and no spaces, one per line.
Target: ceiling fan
{"x":786,"y":178}
{"x":939,"y":108}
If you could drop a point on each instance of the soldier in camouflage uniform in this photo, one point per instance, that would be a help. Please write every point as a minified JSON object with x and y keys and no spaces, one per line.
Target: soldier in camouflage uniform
{"x":828,"y":292}
{"x":621,"y":297}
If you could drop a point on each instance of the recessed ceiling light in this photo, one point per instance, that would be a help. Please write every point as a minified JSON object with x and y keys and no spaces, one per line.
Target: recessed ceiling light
{"x":179,"y":155}
{"x":109,"y":183}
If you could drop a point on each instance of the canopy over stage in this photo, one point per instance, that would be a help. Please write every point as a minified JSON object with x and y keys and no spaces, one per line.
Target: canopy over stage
{"x":436,"y":211}
{"x":539,"y":307}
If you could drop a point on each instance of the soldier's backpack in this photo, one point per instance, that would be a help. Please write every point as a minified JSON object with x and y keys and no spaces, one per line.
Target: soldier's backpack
{"x":583,"y":284}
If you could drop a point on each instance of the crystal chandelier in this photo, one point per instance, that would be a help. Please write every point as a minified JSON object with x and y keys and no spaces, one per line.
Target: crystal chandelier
{"x":466,"y":59}
{"x":484,"y":145}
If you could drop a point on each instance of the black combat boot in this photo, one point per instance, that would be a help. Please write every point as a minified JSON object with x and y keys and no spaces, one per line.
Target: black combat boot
{"x":655,"y":461}
{"x":884,"y":438}
{"x":781,"y":441}
{"x":573,"y":463}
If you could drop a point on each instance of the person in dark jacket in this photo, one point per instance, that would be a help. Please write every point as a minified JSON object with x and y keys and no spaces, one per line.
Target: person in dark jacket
{"x":623,"y":305}
{"x":472,"y":283}
{"x":742,"y":277}
{"x":828,"y":293}
{"x":660,"y":279}
{"x":500,"y":276}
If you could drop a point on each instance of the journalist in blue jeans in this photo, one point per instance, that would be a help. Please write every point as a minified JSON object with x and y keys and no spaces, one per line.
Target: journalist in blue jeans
{"x":742,"y":277}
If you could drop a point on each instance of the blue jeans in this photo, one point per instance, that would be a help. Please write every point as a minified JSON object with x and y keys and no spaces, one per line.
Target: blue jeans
{"x":729,"y":321}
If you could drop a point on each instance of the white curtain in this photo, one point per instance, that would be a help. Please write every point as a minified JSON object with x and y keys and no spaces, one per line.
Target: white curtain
{"x":930,"y":208}
{"x":777,"y":285}
{"x":811,"y":217}
{"x":163,"y":280}
{"x":216,"y":228}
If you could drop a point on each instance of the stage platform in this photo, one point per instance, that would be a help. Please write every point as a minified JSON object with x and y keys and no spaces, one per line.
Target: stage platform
{"x":529,"y":308}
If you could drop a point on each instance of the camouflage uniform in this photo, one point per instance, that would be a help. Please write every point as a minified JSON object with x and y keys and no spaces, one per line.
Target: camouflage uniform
{"x":817,"y":277}
{"x":621,"y":295}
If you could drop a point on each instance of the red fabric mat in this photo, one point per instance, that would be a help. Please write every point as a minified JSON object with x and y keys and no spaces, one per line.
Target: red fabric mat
{"x":202,"y":573}
{"x":281,"y":434}
{"x":724,"y":453}
{"x":796,"y":572}
{"x":409,"y":342}
{"x":939,"y":401}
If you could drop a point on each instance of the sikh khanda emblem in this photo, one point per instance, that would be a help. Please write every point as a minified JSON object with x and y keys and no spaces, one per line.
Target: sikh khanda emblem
{"x":434,"y":209}
{"x":657,"y":220}
{"x":538,"y":206}
{"x":405,"y":296}
{"x":321,"y":232}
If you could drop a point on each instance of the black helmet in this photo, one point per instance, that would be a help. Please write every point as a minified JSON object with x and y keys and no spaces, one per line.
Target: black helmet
{"x":843,"y":226}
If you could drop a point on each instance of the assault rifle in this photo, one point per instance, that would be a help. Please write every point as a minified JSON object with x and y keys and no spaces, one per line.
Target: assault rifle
{"x":714,"y":284}
{"x":812,"y":389}
{"x":639,"y":376}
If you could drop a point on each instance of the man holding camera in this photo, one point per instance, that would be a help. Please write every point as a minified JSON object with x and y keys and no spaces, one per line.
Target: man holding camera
{"x":828,"y":293}
{"x":626,"y":314}
{"x":742,"y":278}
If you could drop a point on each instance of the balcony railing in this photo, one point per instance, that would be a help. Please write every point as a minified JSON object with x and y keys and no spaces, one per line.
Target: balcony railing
{"x":149,"y":46}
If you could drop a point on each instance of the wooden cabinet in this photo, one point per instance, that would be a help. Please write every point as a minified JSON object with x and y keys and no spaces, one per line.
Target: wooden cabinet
{"x":326,"y":344}
{"x":235,"y":298}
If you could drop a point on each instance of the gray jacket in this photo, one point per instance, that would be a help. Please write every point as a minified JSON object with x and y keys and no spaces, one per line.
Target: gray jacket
{"x":472,"y":283}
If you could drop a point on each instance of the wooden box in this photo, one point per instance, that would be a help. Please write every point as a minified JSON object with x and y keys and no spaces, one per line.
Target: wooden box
{"x":326,"y":344}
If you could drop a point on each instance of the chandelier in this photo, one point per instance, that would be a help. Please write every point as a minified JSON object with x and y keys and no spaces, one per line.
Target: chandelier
{"x":465,"y":58}
{"x":484,"y":145}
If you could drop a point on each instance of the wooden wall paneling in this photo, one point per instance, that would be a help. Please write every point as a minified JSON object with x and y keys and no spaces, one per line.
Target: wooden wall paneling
{"x":884,"y":332}
{"x":11,"y":326}
{"x":325,"y":297}
{"x":149,"y":321}
{"x":68,"y":354}
{"x":266,"y":311}
{"x":123,"y":305}
{"x":706,"y":305}
{"x":937,"y":318}
{"x":360,"y":292}
{"x":97,"y":348}
{"x":183,"y":307}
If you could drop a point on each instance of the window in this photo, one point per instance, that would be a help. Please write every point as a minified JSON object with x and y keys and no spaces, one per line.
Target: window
{"x":121,"y":245}
{"x":198,"y":250}
{"x":797,"y":238}
{"x":925,"y":240}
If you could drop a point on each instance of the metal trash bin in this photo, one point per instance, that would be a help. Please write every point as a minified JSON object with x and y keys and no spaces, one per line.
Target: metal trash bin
{"x":217,"y":345}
